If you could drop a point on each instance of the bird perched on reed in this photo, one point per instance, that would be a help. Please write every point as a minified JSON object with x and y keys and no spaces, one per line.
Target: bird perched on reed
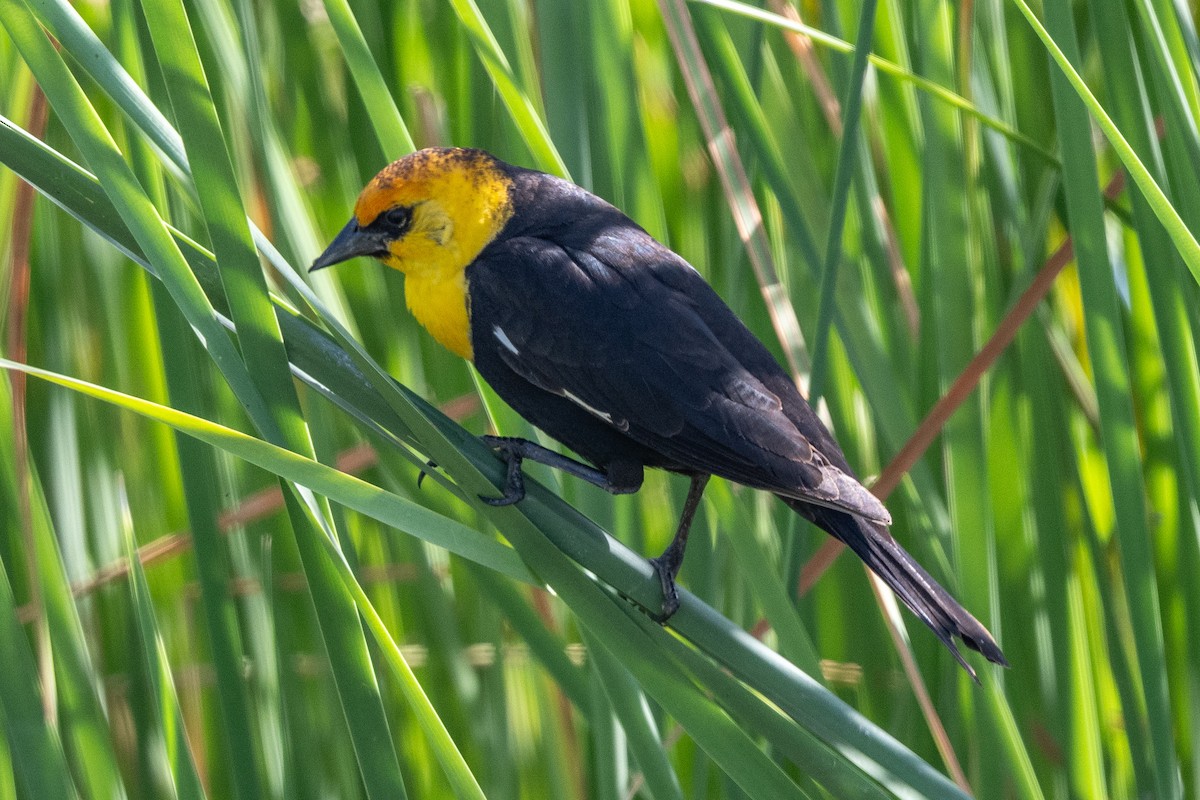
{"x":615,"y":346}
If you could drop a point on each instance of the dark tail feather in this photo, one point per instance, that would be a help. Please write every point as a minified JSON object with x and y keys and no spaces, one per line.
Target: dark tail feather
{"x":932,"y":604}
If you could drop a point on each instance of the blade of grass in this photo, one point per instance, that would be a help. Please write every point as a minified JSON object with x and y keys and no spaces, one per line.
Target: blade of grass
{"x":815,"y":758}
{"x":722,"y":150}
{"x":885,"y":67}
{"x":345,"y":489}
{"x":176,"y":750}
{"x":1170,"y":300}
{"x":637,"y":720}
{"x":259,"y":338}
{"x":1183,"y":239}
{"x":1119,"y":433}
{"x":386,"y":120}
{"x":38,"y":761}
{"x":462,"y":781}
{"x":607,"y":619}
{"x":201,"y":484}
{"x":1069,"y":694}
{"x":753,"y":120}
{"x":321,"y":477}
{"x":1088,"y":767}
{"x":966,"y":382}
{"x":261,"y":347}
{"x":846,"y":161}
{"x":523,"y":114}
{"x":140,"y":216}
{"x":794,"y":640}
{"x":16,"y":348}
{"x":80,"y":725}
{"x":77,"y":38}
{"x":1180,"y":109}
{"x":545,"y":645}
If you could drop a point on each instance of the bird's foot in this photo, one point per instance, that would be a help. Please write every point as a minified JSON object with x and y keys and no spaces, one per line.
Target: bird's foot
{"x":666,"y":567}
{"x":424,"y":473}
{"x":668,"y":564}
{"x":514,"y":483}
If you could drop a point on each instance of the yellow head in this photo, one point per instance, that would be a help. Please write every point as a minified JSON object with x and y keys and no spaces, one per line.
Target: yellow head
{"x":429,"y":215}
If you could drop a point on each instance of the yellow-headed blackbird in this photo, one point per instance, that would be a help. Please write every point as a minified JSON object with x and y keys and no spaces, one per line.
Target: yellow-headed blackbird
{"x":615,"y":346}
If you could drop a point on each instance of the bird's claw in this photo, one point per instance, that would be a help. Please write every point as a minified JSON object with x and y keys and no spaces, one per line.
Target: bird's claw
{"x":503,"y":500}
{"x":424,"y":473}
{"x":514,"y":482}
{"x":666,"y":576}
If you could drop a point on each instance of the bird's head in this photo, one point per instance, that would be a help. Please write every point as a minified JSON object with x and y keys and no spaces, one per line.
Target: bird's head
{"x":430,"y":212}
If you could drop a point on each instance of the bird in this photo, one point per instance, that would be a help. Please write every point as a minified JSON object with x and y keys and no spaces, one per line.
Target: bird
{"x":615,"y":346}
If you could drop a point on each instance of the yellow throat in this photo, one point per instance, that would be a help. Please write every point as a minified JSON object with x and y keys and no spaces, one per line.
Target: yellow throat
{"x":460,"y":202}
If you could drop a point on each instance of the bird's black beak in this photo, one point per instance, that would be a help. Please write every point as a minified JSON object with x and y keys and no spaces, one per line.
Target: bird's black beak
{"x":350,"y":242}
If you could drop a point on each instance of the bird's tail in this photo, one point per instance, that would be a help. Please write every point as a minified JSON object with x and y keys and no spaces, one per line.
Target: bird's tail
{"x":932,"y":604}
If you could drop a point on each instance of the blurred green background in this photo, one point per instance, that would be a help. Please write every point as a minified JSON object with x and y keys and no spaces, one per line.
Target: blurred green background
{"x":992,"y":169}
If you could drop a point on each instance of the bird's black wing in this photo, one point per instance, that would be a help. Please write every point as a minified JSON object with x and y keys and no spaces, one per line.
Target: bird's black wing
{"x":625,"y":329}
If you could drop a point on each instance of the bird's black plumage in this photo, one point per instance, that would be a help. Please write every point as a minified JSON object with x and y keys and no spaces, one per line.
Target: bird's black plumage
{"x":615,"y":346}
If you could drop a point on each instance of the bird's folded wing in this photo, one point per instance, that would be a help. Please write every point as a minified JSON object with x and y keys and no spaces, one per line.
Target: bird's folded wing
{"x":629,"y":343}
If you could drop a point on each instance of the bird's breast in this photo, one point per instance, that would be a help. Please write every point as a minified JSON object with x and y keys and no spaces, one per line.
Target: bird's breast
{"x":439,"y":302}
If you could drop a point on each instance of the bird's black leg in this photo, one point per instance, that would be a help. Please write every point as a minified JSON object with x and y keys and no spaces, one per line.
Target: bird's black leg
{"x":513,"y":451}
{"x":667,"y":565}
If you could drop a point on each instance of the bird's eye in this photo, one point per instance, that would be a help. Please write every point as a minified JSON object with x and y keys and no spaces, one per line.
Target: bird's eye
{"x":397,"y":218}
